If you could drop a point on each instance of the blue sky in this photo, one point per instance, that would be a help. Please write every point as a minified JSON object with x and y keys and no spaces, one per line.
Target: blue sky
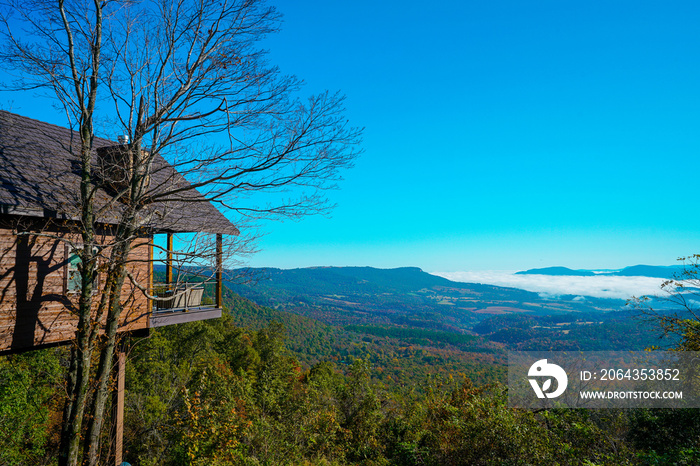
{"x":500,"y":135}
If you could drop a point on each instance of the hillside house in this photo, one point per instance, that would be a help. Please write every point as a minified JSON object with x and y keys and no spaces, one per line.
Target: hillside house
{"x":39,"y":208}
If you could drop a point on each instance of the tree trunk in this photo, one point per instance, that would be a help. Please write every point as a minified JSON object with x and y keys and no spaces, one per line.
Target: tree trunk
{"x":117,"y":274}
{"x":81,"y":353}
{"x":102,"y":394}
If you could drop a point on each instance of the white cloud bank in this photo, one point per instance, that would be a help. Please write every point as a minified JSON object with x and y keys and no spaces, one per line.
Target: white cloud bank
{"x":599,"y":286}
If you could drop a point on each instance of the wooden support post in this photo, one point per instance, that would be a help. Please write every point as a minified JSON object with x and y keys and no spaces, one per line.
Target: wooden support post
{"x":119,"y":405}
{"x":169,"y":260}
{"x":219,"y":270}
{"x":151,"y":272}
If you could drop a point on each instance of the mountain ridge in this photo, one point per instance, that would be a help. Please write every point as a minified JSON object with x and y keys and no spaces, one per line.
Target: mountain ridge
{"x":641,"y":270}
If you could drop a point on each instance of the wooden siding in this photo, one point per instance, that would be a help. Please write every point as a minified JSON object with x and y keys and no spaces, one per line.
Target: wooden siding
{"x":35,"y":308}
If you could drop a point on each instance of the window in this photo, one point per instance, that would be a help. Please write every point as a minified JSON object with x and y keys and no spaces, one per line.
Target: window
{"x":73,"y":273}
{"x":73,"y":276}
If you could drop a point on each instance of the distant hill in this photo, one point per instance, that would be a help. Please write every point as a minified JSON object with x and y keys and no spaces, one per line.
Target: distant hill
{"x":557,"y":271}
{"x":658,"y":271}
{"x":341,"y":278}
{"x":404,"y":311}
{"x":365,"y":279}
{"x":655,"y":271}
{"x":405,"y":296}
{"x":368,"y":288}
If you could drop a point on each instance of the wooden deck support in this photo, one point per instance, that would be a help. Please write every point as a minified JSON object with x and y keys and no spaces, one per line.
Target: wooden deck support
{"x":151,"y":272}
{"x":119,"y":405}
{"x":219,"y":271}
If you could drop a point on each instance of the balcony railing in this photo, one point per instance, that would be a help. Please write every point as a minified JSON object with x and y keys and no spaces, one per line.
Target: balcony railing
{"x":180,"y":297}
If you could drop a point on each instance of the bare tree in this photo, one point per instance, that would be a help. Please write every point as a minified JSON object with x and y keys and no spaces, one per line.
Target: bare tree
{"x":186,"y":81}
{"x":676,"y":312}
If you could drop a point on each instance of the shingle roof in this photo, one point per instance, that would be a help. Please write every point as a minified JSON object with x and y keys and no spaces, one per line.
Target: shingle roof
{"x":40,"y":176}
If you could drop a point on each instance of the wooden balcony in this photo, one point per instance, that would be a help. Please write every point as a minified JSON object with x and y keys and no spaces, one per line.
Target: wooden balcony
{"x":181,"y":302}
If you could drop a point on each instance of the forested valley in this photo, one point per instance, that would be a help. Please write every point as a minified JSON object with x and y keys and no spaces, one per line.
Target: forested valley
{"x":269,"y":386}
